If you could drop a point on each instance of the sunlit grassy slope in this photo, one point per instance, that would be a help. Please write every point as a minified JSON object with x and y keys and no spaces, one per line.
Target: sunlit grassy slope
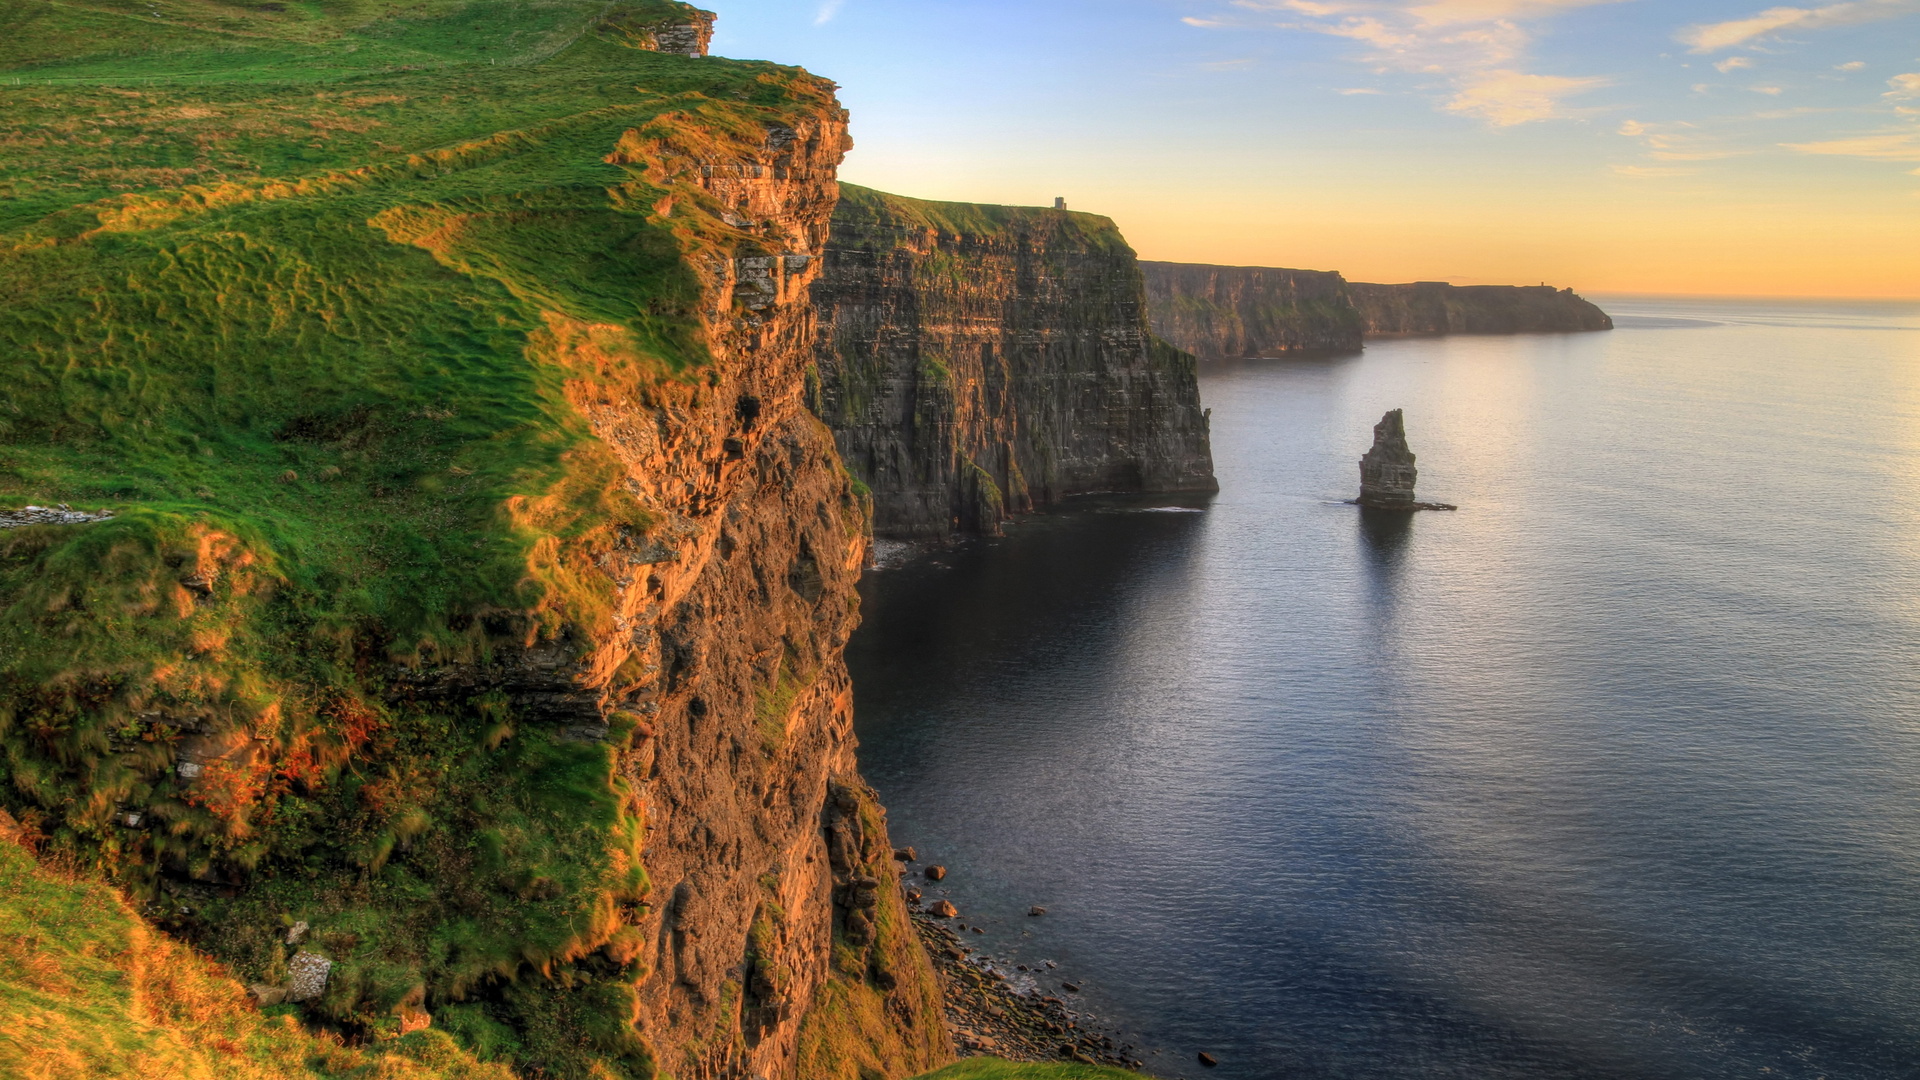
{"x":89,"y":991}
{"x":284,"y":287}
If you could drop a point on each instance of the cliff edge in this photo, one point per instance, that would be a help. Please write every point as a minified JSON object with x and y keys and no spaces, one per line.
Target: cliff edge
{"x":977,"y":361}
{"x":1435,"y":307}
{"x":1235,"y":312}
{"x":1217,"y":312}
{"x":450,"y":635}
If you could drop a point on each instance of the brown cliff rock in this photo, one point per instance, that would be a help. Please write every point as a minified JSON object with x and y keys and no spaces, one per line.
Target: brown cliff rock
{"x":1235,"y":312}
{"x":1435,"y":307}
{"x":769,"y":862}
{"x":1387,"y":474}
{"x":978,"y":361}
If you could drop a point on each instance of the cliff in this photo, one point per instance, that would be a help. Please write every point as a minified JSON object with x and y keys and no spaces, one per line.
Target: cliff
{"x":1232,"y":312}
{"x":977,"y":361}
{"x":1435,"y":307}
{"x":1220,"y":312}
{"x":462,"y":652}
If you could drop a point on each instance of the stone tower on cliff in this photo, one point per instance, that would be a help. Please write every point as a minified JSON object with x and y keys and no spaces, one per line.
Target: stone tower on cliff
{"x":1386,"y":472}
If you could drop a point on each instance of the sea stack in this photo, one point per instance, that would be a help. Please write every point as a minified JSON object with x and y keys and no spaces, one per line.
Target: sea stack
{"x":1387,"y":473}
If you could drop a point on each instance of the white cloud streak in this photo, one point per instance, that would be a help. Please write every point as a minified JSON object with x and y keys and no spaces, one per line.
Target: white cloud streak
{"x":1506,"y":97}
{"x":828,"y":9}
{"x":1714,"y":37}
{"x":1477,"y":49}
{"x":1896,"y":146}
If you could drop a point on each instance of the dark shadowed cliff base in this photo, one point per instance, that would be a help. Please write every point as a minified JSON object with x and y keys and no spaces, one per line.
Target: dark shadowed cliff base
{"x":1235,"y":312}
{"x":979,"y":361}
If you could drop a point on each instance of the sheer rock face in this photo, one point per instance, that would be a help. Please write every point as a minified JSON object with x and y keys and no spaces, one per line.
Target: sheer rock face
{"x":1435,"y":307}
{"x":1387,"y":474}
{"x":1239,"y":312}
{"x":1234,"y":312}
{"x":978,"y":361}
{"x":737,"y":610}
{"x":742,"y":618}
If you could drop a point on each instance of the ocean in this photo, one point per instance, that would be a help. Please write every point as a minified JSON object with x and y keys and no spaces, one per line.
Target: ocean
{"x":1614,"y":772}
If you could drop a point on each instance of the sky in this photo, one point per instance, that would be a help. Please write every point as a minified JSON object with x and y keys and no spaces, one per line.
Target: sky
{"x":1654,"y":146}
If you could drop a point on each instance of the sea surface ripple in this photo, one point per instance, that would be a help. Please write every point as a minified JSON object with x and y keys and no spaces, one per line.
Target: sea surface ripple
{"x":1615,"y":772}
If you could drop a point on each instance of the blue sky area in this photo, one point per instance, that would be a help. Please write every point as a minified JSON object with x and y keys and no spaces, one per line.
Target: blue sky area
{"x":1703,"y":146}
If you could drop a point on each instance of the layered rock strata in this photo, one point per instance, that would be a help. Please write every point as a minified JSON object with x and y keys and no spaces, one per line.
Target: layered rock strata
{"x":1387,"y":472}
{"x":979,"y":361}
{"x":1435,"y":307}
{"x":1237,"y":312}
{"x":1232,"y":312}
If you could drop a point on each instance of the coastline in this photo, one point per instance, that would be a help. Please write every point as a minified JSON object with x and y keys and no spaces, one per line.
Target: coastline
{"x":989,"y":1012}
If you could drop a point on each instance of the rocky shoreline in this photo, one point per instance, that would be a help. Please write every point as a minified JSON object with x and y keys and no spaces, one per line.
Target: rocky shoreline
{"x":993,"y":1011}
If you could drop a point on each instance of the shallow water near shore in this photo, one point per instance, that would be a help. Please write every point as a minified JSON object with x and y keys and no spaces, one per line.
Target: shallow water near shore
{"x":1615,"y":772}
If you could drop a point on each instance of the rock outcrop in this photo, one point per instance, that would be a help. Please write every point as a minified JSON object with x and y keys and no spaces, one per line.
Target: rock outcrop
{"x":1435,"y":307}
{"x":978,"y":361}
{"x":1233,"y":312}
{"x":1387,"y":474}
{"x":1236,"y":312}
{"x":47,"y":515}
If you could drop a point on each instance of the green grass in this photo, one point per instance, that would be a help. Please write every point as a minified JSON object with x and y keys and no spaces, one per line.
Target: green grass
{"x":309,"y":295}
{"x":868,"y":207}
{"x":87,"y":991}
{"x":982,"y":1068}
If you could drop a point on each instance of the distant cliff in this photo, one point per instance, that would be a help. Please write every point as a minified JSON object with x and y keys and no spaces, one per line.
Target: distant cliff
{"x":1231,"y":311}
{"x":1227,"y":312}
{"x":1435,"y":307}
{"x":976,"y":361}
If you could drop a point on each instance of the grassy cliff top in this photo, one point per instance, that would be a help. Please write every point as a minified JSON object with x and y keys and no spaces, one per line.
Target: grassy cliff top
{"x":288,"y":289}
{"x":118,"y":41}
{"x":304,"y":295}
{"x":861,"y":207}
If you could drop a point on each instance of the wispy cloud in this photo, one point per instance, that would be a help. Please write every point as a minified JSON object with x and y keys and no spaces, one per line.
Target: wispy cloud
{"x":1893,"y":146}
{"x":1450,"y":12}
{"x":1505,"y":97}
{"x":1905,"y":87}
{"x":1353,"y":90}
{"x":828,"y":9}
{"x":1227,"y":65}
{"x":1852,"y":65}
{"x":1679,"y":141}
{"x":1773,"y":91}
{"x":1713,"y":37}
{"x":1476,"y":50}
{"x":1732,"y":62}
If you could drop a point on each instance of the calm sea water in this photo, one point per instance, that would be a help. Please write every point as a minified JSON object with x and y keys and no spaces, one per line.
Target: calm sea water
{"x":1613,"y":773}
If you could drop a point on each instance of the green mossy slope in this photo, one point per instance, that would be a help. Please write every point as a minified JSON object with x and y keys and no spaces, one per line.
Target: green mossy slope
{"x":285,"y":290}
{"x":88,"y":992}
